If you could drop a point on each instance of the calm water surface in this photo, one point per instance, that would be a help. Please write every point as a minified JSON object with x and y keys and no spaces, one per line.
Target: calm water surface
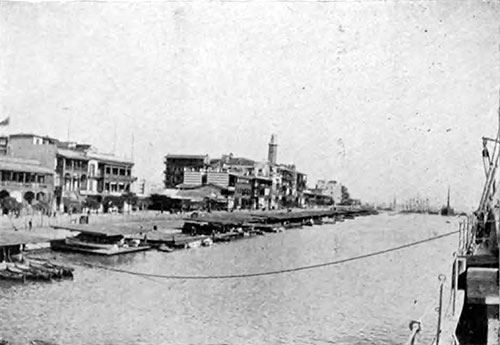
{"x":363,"y":302}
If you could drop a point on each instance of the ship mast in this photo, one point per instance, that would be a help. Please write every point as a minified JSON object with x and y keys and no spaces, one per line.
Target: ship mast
{"x":448,"y":202}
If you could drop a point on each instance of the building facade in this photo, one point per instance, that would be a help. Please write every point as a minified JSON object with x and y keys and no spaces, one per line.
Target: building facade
{"x":330,"y":188}
{"x":77,"y":170}
{"x":176,"y":165}
{"x":25,"y":180}
{"x":247,"y":183}
{"x":108,"y":175}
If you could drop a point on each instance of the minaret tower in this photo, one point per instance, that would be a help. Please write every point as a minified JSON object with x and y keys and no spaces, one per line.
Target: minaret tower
{"x":273,"y":150}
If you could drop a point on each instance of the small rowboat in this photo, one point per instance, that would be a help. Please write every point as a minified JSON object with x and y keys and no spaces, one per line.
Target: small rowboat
{"x":7,"y":275}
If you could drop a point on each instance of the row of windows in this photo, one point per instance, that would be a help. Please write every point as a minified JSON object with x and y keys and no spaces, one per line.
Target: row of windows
{"x":75,"y":164}
{"x":21,"y":177}
{"x":113,"y":187}
{"x":117,"y":171}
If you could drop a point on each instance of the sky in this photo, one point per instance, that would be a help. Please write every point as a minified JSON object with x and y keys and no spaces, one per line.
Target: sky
{"x":391,"y":98}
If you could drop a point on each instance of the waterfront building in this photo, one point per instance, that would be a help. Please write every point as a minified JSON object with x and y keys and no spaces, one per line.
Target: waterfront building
{"x":330,"y":188}
{"x":77,"y":169}
{"x":249,"y":183}
{"x":229,"y":163}
{"x":301,"y":188}
{"x":243,"y":192}
{"x":261,"y":192}
{"x":25,"y":180}
{"x":31,"y":146}
{"x":315,"y":197}
{"x":176,"y":165}
{"x":108,"y":175}
{"x":71,"y":176}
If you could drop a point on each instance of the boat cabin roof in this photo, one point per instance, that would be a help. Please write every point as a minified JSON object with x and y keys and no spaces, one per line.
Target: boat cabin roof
{"x":107,"y":230}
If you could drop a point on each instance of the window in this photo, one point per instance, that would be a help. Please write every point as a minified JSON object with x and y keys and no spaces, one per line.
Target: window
{"x":108,"y":171}
{"x":115,"y":171}
{"x":122,"y":172}
{"x":41,"y":179}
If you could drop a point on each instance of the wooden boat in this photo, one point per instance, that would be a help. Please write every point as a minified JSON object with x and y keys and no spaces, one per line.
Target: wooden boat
{"x":57,"y":271}
{"x":100,"y":243}
{"x":8,"y":275}
{"x":92,"y":245}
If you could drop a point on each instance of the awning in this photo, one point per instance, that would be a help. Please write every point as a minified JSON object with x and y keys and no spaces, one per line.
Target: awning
{"x":71,"y":154}
{"x":18,"y":166}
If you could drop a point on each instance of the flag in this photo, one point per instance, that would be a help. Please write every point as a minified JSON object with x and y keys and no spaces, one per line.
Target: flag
{"x":5,"y":122}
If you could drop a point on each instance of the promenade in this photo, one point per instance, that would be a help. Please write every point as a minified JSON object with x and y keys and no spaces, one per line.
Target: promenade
{"x":42,"y":227}
{"x":42,"y":231}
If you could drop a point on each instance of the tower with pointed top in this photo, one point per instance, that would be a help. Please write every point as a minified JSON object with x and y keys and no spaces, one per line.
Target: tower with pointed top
{"x":273,"y":149}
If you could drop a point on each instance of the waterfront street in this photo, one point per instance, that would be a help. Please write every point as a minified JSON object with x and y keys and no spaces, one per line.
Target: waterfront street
{"x":363,"y":302}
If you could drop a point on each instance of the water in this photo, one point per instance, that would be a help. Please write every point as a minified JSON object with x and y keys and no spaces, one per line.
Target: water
{"x":362,"y":302}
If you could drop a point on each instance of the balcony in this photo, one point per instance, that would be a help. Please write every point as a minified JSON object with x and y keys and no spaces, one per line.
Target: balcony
{"x":27,"y":185}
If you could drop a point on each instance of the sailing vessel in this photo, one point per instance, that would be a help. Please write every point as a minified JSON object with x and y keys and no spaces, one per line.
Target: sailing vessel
{"x":473,"y":314}
{"x":447,"y":210}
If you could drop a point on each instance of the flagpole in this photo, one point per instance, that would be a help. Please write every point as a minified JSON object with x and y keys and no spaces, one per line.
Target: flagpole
{"x":132,"y":152}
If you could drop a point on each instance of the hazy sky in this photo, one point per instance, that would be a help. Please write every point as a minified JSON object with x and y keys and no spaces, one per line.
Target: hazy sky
{"x":389,"y":97}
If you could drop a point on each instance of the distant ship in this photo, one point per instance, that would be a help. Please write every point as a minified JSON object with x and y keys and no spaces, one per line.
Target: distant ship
{"x":418,"y":205}
{"x":447,"y":210}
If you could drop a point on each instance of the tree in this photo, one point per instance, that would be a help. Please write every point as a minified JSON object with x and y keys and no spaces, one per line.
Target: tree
{"x":9,"y":204}
{"x":346,"y":197}
{"x":92,"y":203}
{"x":130,"y":198}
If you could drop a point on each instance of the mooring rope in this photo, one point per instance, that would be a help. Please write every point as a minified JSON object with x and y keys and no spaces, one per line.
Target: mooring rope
{"x":269,"y":273}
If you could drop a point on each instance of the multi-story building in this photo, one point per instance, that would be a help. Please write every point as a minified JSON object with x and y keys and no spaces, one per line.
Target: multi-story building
{"x":31,"y":146}
{"x":247,"y":183}
{"x":71,"y":170}
{"x":76,"y":168}
{"x":108,"y":175}
{"x":176,"y":165}
{"x":229,"y":163}
{"x":25,"y":180}
{"x":331,"y":188}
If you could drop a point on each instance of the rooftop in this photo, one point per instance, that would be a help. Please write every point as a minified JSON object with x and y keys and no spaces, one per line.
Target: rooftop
{"x":71,"y":154}
{"x":107,"y":229}
{"x":177,"y":156}
{"x":109,"y":158}
{"x":23,"y":165}
{"x":30,"y":135}
{"x":229,"y":160}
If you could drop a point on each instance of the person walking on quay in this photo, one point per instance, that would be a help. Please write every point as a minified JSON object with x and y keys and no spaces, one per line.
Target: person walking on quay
{"x":30,"y":224}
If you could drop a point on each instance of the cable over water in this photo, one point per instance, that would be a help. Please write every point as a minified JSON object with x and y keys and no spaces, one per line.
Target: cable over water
{"x":269,"y":273}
